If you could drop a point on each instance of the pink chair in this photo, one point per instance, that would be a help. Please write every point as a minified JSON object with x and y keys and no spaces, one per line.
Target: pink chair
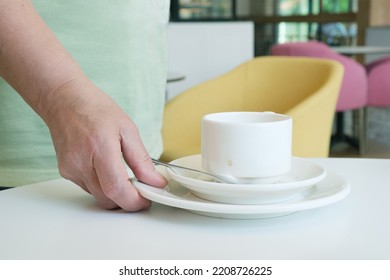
{"x":379,"y":82}
{"x":353,"y":92}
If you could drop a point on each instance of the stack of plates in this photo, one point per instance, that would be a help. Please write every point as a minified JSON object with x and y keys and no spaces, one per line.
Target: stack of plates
{"x":306,"y":186}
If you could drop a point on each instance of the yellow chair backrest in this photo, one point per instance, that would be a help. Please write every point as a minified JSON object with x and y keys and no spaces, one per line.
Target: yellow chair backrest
{"x":304,"y":88}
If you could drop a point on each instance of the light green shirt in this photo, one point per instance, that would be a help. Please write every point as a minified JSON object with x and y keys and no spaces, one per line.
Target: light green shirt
{"x":120,"y":45}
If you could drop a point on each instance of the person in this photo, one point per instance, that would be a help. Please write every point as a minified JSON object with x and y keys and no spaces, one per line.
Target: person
{"x":93,"y":74}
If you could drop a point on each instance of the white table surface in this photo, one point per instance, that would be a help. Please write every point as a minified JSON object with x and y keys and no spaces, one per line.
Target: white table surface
{"x":355,"y":50}
{"x":57,"y":220}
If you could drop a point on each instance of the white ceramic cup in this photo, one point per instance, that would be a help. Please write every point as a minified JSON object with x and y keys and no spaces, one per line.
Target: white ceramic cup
{"x":250,"y":146}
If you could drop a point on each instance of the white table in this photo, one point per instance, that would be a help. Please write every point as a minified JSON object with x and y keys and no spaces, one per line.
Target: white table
{"x":357,"y":50}
{"x":57,"y":220}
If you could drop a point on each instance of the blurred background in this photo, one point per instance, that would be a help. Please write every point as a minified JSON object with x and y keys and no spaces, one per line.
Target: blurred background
{"x":209,"y":37}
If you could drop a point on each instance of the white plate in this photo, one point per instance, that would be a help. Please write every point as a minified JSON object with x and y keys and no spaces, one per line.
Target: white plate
{"x":303,"y":175}
{"x":330,"y":190}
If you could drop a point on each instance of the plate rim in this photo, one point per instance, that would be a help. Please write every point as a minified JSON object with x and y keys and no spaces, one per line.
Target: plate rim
{"x":259,"y":187}
{"x":155,"y":194}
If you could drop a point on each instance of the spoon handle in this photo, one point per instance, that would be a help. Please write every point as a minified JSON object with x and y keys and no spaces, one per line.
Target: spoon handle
{"x":172,"y":166}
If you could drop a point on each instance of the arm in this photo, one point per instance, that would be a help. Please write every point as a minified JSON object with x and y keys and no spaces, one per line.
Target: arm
{"x":90,"y":132}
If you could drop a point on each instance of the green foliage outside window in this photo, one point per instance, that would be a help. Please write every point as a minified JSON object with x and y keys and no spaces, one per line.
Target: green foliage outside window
{"x":336,"y":6}
{"x":305,"y":7}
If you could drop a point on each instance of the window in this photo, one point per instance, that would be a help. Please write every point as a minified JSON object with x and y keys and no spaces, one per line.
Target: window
{"x":193,"y":10}
{"x":330,"y":21}
{"x":294,"y":7}
{"x":277,"y":21}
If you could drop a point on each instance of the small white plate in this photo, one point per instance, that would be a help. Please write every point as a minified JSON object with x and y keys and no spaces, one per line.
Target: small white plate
{"x":303,"y":175}
{"x":330,"y":190}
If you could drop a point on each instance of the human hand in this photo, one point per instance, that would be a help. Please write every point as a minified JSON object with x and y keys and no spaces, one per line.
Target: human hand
{"x":91,"y":135}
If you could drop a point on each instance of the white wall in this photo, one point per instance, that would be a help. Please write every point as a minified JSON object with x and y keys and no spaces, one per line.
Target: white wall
{"x":202,"y":51}
{"x":379,"y":37}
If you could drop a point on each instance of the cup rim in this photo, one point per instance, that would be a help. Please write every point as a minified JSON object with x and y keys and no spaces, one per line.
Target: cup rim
{"x":246,"y":117}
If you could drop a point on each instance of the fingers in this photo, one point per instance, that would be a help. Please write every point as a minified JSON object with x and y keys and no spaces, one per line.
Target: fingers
{"x":115,"y":187}
{"x":94,"y":188}
{"x":86,"y":178}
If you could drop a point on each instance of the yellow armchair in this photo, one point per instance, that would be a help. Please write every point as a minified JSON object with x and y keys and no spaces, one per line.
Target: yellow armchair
{"x":304,"y":88}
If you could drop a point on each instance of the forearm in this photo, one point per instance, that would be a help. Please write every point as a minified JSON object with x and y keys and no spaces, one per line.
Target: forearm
{"x":32,"y":60}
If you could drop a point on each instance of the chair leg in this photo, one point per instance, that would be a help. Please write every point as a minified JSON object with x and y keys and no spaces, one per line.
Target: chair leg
{"x":359,"y":130}
{"x":339,"y":133}
{"x":360,"y":125}
{"x":362,"y":132}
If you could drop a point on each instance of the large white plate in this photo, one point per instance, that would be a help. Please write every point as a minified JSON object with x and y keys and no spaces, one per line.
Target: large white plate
{"x":303,"y":175}
{"x":330,"y":190}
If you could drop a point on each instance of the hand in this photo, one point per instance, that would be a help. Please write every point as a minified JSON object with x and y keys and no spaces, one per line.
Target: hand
{"x":91,"y":135}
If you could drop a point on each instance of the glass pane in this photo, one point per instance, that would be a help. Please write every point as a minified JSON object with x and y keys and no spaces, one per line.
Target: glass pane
{"x":205,"y":9}
{"x":264,"y":38}
{"x":255,"y":7}
{"x":336,"y":6}
{"x":337,"y":33}
{"x":291,"y":32}
{"x":293,"y":7}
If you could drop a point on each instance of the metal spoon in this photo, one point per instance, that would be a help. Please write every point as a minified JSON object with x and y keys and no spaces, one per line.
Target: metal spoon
{"x":217,"y":178}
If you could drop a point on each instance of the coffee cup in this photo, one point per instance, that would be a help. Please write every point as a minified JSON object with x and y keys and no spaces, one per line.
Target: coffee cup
{"x":250,"y":146}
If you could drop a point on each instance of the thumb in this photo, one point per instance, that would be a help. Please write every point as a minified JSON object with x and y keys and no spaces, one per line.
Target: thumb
{"x":139,"y":161}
